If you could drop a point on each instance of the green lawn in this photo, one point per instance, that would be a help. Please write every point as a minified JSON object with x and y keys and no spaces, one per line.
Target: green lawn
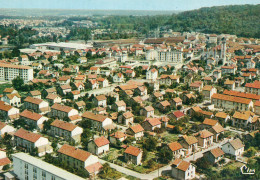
{"x":168,"y":137}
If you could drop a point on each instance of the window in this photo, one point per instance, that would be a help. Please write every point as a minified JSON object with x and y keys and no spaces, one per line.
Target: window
{"x":52,"y":177}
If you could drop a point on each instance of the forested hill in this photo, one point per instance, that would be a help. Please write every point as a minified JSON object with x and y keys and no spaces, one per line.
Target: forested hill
{"x":242,"y":20}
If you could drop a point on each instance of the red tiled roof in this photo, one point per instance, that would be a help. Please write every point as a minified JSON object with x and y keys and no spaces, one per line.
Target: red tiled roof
{"x":61,"y":107}
{"x":94,"y":167}
{"x":63,"y":125}
{"x":178,"y":114}
{"x":137,"y":128}
{"x":31,"y":115}
{"x":33,"y":100}
{"x":153,"y":121}
{"x":101,"y":141}
{"x":210,"y":122}
{"x":27,"y":135}
{"x":5,"y":161}
{"x":75,"y":153}
{"x":242,"y":94}
{"x":133,"y":151}
{"x":2,"y":125}
{"x":174,"y":146}
{"x":231,"y":98}
{"x":118,"y":135}
{"x":95,"y":117}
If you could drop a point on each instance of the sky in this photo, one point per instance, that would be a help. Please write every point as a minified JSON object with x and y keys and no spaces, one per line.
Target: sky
{"x":121,"y":4}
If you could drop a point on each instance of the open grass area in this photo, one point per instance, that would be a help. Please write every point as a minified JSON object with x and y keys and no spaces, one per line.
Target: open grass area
{"x":168,"y":137}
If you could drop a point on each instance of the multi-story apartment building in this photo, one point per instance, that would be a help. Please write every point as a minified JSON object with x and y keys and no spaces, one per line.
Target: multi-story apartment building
{"x":66,"y":130}
{"x":33,"y":119}
{"x":29,"y":141}
{"x":62,"y":111}
{"x":8,"y":72}
{"x":79,"y":159}
{"x":38,"y":105}
{"x":173,"y":56}
{"x":8,"y":112}
{"x":231,"y":102}
{"x":253,"y":87}
{"x":27,"y":167}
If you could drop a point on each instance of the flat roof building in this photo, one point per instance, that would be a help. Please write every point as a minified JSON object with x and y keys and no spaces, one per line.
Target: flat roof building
{"x":27,"y":167}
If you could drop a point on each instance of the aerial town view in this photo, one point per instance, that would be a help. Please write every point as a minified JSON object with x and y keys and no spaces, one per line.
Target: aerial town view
{"x":129,"y":90}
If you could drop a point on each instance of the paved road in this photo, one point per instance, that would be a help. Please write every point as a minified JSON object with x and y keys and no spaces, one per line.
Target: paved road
{"x":162,"y":171}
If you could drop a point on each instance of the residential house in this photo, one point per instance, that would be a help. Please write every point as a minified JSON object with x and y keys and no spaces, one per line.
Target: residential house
{"x":4,"y":128}
{"x":208,"y":123}
{"x":65,"y":89}
{"x":100,"y":100}
{"x":208,"y":91}
{"x":76,"y":94}
{"x":253,"y":88}
{"x":141,"y":91}
{"x":29,"y":141}
{"x":99,"y":122}
{"x":53,"y":98}
{"x":118,"y":78}
{"x":126,"y":118}
{"x":152,"y":74}
{"x":33,"y":119}
{"x":79,"y":159}
{"x":81,"y":105}
{"x":169,"y":79}
{"x":176,"y":102}
{"x":119,"y":106}
{"x":9,"y":91}
{"x":257,"y":107}
{"x":230,"y":84}
{"x":79,"y":86}
{"x":222,"y":116}
{"x":66,"y":130}
{"x":61,"y":111}
{"x":37,"y":105}
{"x":156,"y":95}
{"x":117,"y":136}
{"x":147,"y":111}
{"x":190,"y":143}
{"x":176,"y":148}
{"x":230,"y":102}
{"x":35,"y":94}
{"x":234,"y":147}
{"x":99,"y":145}
{"x":150,"y":124}
{"x":205,"y":138}
{"x":137,"y":131}
{"x":176,"y":115}
{"x":94,"y":70}
{"x":12,"y":99}
{"x":64,"y":80}
{"x":228,"y":70}
{"x":4,"y":160}
{"x":164,"y":105}
{"x":182,"y":170}
{"x":214,"y":155}
{"x":216,"y":130}
{"x":196,"y":85}
{"x":130,"y":73}
{"x":133,"y":154}
{"x":102,"y":82}
{"x":8,"y":111}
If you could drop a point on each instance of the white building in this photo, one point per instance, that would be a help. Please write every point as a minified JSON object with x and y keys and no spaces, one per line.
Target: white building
{"x":152,"y":74}
{"x":27,"y":167}
{"x":234,"y":147}
{"x":8,"y":72}
{"x":62,"y":111}
{"x":4,"y":128}
{"x":99,"y":145}
{"x":174,"y":56}
{"x":183,"y":169}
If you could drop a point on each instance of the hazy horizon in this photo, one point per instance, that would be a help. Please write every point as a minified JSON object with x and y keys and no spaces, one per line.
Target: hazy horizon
{"x":118,"y":5}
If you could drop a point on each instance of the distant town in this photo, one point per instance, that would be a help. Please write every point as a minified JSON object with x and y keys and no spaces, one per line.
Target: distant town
{"x":80,"y":99}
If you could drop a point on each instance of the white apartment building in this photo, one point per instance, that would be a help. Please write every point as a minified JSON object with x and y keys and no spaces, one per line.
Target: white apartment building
{"x":8,"y":72}
{"x":174,"y":56}
{"x":62,"y":111}
{"x":27,"y":167}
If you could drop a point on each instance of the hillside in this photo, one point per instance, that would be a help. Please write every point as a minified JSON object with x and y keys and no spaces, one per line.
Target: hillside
{"x":242,"y":20}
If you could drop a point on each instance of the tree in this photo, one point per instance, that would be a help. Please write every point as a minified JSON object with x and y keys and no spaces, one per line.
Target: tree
{"x":18,"y":83}
{"x":47,"y":125}
{"x":165,"y":155}
{"x":150,"y":143}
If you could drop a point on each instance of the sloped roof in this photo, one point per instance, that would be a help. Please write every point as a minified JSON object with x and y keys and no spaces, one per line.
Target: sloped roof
{"x":75,"y":153}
